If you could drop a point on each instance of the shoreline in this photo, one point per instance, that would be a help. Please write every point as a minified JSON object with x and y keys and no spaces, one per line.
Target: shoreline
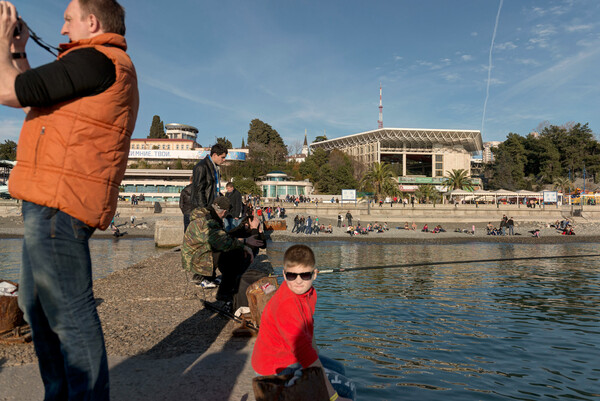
{"x":11,"y":227}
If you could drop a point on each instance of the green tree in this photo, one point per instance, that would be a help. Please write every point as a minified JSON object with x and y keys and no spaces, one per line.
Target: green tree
{"x":508,"y":169}
{"x":563,"y":184}
{"x":246,"y":186}
{"x":225,"y":142}
{"x":543,"y":159}
{"x":8,"y":150}
{"x":266,"y":148}
{"x":379,"y":179}
{"x":427,"y":193}
{"x":576,"y":145}
{"x":157,"y":129}
{"x":458,"y":179}
{"x":320,"y":138}
{"x":243,"y":144}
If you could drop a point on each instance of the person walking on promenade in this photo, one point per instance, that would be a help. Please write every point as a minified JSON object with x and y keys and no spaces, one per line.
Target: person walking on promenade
{"x":511,"y":226}
{"x":206,"y":177}
{"x":72,"y":154}
{"x":185,"y":204}
{"x":349,"y":218}
{"x":339,"y":220}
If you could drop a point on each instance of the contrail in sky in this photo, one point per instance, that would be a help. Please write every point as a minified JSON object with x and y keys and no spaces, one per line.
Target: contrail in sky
{"x":487,"y":89}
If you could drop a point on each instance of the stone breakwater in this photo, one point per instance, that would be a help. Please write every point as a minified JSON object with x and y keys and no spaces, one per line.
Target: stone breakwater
{"x":161,"y":342}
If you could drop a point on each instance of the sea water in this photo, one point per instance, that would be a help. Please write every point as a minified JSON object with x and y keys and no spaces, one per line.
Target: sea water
{"x":523,"y":330}
{"x":107,"y":255}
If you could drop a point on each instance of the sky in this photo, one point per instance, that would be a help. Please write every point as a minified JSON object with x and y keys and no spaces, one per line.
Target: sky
{"x":316,"y":66}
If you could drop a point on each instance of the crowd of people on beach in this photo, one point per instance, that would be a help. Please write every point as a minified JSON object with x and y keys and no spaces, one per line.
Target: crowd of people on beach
{"x":310,"y":225}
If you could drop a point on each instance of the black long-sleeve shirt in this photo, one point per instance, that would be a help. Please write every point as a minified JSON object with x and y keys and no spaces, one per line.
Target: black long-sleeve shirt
{"x":82,"y":72}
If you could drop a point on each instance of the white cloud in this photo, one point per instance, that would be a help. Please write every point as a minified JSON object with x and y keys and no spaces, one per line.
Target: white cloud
{"x":505,"y":46}
{"x":397,"y":58}
{"x":450,"y":77}
{"x":474,"y":34}
{"x":527,"y":61}
{"x":579,"y":28}
{"x":466,"y":57}
{"x":166,"y":87}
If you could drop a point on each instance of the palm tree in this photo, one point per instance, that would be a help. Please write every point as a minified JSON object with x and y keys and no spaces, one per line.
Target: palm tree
{"x":380,"y":179}
{"x":458,"y":179}
{"x":427,"y":192}
{"x":564,"y":184}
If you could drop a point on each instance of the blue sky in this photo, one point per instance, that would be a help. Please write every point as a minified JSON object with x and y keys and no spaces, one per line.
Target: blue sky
{"x":317,"y":65}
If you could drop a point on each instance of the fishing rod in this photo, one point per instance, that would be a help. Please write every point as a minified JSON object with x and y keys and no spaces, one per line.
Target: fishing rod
{"x":452,"y":262}
{"x":229,"y":315}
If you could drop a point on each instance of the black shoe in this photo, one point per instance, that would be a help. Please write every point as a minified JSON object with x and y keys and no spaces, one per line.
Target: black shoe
{"x":197,"y":278}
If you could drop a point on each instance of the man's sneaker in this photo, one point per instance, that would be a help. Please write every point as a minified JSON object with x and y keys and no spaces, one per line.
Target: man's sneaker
{"x":197,"y":278}
{"x":217,"y":280}
{"x":207,"y":284}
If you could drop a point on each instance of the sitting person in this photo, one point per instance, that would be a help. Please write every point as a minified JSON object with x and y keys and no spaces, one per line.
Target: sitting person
{"x":285,"y":341}
{"x":385,"y":226}
{"x":406,"y":227}
{"x":414,"y":226}
{"x":207,"y":246}
{"x":490,"y":228}
{"x":329,"y":229}
{"x":568,"y":231}
{"x":425,"y":228}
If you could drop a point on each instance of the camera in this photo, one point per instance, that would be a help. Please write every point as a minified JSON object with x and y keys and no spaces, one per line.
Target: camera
{"x":18,"y":28}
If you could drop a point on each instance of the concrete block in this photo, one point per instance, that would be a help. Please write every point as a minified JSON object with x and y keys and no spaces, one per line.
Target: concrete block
{"x":168,"y":233}
{"x":276,"y":225}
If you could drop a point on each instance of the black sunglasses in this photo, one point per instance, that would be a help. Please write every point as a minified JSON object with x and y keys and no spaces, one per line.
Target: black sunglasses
{"x":289,"y":276}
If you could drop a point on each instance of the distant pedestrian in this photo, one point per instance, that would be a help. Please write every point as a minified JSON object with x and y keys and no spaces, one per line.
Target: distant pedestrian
{"x":511,"y":226}
{"x":339,"y":220}
{"x":349,"y":218}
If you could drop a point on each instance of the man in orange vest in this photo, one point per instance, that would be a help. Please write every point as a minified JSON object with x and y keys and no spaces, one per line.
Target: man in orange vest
{"x":71,"y":157}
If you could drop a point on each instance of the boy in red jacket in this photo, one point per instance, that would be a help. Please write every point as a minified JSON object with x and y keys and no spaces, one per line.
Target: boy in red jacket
{"x":285,"y":340}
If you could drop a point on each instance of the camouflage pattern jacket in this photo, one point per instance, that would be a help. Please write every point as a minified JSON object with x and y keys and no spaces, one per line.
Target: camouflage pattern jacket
{"x":205,"y":235}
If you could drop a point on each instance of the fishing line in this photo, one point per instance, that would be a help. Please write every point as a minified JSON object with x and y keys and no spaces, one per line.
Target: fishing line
{"x":452,"y":262}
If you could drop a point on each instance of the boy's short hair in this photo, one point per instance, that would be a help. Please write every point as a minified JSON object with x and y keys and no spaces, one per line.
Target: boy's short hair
{"x":299,"y":255}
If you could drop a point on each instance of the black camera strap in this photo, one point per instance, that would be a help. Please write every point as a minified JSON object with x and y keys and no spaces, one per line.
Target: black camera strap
{"x":43,"y":44}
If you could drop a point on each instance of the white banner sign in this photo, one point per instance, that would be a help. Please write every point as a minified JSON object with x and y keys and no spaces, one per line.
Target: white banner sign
{"x":179,"y":154}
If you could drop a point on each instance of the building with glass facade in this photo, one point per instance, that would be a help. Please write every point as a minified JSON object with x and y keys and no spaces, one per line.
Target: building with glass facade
{"x":277,"y":184}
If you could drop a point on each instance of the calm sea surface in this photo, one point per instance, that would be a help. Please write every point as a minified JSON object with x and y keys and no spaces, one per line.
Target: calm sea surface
{"x":108,"y":255}
{"x":524,"y":330}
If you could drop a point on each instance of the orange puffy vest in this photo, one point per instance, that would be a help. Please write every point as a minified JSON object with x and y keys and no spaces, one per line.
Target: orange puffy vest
{"x":72,"y":156}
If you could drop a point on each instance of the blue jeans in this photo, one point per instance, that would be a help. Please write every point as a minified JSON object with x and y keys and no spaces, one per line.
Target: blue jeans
{"x":230,"y":223}
{"x":55,"y":294}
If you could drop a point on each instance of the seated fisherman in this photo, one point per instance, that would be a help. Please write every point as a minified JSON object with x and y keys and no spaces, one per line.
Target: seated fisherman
{"x":285,"y":340}
{"x":207,"y":246}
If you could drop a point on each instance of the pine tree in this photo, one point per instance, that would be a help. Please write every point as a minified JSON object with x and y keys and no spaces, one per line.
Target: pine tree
{"x":157,"y":129}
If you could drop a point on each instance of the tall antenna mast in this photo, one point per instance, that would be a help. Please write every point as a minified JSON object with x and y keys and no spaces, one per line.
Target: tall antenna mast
{"x":380,"y":121}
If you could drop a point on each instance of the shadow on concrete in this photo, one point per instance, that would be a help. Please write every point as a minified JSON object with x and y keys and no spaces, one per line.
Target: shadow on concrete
{"x":188,"y":364}
{"x":2,"y":362}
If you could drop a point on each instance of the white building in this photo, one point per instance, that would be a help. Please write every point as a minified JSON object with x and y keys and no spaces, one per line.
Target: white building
{"x":488,"y":156}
